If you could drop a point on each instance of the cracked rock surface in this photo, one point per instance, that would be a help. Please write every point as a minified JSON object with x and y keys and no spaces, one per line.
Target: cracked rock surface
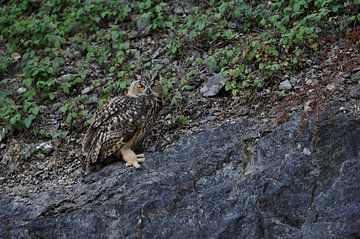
{"x":238,"y":180}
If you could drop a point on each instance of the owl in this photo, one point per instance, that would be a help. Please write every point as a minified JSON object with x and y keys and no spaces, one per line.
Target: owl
{"x":121,"y":125}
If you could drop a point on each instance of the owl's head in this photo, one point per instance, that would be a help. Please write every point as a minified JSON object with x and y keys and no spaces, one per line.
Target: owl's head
{"x":146,"y":85}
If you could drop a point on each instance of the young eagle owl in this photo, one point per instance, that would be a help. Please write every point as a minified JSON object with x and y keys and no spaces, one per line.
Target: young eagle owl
{"x":122,"y":124}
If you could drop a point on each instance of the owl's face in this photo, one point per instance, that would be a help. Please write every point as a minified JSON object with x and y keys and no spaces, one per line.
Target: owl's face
{"x":147,"y":85}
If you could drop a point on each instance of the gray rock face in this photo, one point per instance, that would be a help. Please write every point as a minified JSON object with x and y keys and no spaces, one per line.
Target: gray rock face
{"x":218,"y":183}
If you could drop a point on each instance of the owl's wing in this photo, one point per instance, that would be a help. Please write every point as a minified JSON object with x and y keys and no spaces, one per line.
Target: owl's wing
{"x":117,"y":121}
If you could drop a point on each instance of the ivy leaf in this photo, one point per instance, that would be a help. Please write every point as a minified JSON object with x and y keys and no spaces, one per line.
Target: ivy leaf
{"x":35,"y":110}
{"x":16,"y":118}
{"x":27,"y":122}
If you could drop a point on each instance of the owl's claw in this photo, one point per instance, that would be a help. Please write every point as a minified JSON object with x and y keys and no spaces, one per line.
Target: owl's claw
{"x":134,"y":164}
{"x":131,"y":158}
{"x":140,"y":157}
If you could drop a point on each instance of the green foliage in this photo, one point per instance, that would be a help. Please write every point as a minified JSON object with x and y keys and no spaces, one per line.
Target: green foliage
{"x":251,"y":43}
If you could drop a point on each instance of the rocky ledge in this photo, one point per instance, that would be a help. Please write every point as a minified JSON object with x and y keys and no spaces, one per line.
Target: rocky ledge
{"x":244,"y":179}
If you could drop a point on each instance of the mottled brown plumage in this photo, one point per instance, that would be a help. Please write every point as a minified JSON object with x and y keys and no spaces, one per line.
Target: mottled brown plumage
{"x":122,"y":124}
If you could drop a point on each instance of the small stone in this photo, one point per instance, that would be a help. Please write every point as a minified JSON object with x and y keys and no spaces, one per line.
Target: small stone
{"x":285,"y":85}
{"x":67,"y":77}
{"x":355,"y":91}
{"x":308,"y":81}
{"x":306,"y":151}
{"x":15,"y":56}
{"x":45,"y":147}
{"x":307,"y":107}
{"x":213,"y":86}
{"x":87,"y":90}
{"x":294,"y":80}
{"x":330,"y":87}
{"x":179,"y":10}
{"x":52,"y":125}
{"x":27,"y":151}
{"x":21,"y":90}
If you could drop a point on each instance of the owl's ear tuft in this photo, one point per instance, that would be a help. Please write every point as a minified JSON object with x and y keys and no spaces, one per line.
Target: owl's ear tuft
{"x":154,"y":75}
{"x":136,"y":76}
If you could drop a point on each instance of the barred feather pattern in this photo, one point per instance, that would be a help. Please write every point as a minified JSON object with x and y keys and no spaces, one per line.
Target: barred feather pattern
{"x":123,"y":121}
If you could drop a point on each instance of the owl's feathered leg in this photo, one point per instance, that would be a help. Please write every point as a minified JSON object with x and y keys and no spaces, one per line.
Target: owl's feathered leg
{"x":131,"y":158}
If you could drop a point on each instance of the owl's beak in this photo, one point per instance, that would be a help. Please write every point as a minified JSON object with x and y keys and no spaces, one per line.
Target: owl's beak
{"x":147,"y":91}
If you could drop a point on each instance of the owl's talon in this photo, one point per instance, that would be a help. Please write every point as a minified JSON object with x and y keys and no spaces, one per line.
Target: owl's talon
{"x":134,"y":164}
{"x":140,"y":157}
{"x":131,"y":158}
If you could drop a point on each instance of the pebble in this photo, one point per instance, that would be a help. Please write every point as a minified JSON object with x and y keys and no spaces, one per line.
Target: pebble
{"x":331,"y":87}
{"x":354,"y":91}
{"x":306,"y":151}
{"x":21,"y":90}
{"x":45,"y":147}
{"x":87,"y":90}
{"x":307,"y":107}
{"x":285,"y":85}
{"x":213,"y":86}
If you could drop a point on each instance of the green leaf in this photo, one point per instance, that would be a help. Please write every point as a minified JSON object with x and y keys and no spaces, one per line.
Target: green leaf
{"x":123,"y":84}
{"x":200,"y":24}
{"x":262,"y":22}
{"x":27,"y":122}
{"x":65,"y":87}
{"x":35,"y":110}
{"x":52,"y":95}
{"x":223,"y":6}
{"x":183,"y":119}
{"x":16,"y":118}
{"x":28,"y":81}
{"x":229,"y":34}
{"x":273,"y":52}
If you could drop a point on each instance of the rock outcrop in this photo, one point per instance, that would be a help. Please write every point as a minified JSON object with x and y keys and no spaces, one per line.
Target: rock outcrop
{"x":235,"y":181}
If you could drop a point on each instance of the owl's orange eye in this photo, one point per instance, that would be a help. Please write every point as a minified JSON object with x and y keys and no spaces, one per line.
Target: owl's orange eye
{"x":153,"y":86}
{"x":141,"y":87}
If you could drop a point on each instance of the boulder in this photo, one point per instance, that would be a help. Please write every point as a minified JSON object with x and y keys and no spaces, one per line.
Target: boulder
{"x":224,"y":182}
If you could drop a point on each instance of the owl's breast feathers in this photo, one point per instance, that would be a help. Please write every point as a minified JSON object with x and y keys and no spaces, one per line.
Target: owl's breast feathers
{"x":123,"y":120}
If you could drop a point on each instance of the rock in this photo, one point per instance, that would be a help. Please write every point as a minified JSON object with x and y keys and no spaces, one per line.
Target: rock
{"x":213,"y":85}
{"x":87,"y":90}
{"x":179,"y":10}
{"x":68,"y":77}
{"x":294,"y":80}
{"x":45,"y":147}
{"x":51,"y":125}
{"x":217,"y":183}
{"x":285,"y":85}
{"x":354,"y":91}
{"x":307,"y":107}
{"x":15,"y":56}
{"x":331,"y":87}
{"x":306,"y":151}
{"x":21,"y":90}
{"x":26,"y":151}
